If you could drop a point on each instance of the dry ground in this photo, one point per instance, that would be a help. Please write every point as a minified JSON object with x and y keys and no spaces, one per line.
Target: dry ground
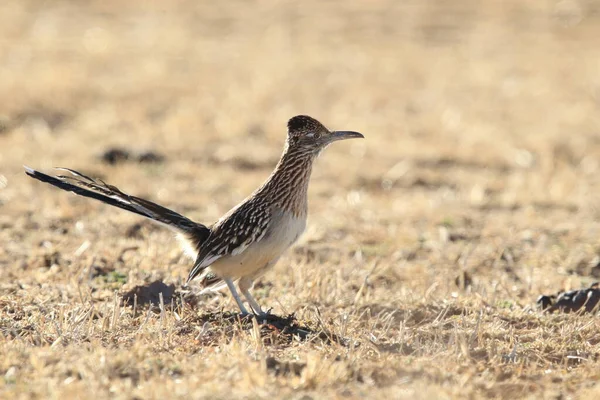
{"x":481,"y":162}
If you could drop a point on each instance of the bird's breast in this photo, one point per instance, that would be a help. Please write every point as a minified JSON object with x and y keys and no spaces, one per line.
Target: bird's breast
{"x":283,"y":230}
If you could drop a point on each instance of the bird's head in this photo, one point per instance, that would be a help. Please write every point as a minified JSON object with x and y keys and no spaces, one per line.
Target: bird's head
{"x":308,"y":134}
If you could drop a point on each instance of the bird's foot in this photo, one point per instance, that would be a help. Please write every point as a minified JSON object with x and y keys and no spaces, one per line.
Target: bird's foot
{"x":245,"y":314}
{"x":261,"y":316}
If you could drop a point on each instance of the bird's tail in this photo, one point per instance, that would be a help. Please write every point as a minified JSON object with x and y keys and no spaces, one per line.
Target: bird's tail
{"x":85,"y":186}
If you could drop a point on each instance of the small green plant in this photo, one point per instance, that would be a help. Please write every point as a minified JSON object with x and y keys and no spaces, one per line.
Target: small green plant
{"x":115,"y":277}
{"x":506,"y":304}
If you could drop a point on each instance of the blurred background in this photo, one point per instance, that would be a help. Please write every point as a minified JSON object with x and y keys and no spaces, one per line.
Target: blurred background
{"x":474,"y":191}
{"x":478,"y":116}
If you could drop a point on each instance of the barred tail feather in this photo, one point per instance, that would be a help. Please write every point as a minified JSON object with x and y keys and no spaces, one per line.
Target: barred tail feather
{"x":83,"y":185}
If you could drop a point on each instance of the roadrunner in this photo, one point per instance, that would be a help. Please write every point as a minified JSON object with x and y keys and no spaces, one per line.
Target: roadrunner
{"x":250,"y":238}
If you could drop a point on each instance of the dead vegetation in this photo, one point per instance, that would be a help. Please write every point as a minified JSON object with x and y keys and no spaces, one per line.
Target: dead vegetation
{"x":428,"y":243}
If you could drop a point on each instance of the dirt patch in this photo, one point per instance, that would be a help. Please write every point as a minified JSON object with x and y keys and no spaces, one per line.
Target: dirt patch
{"x":117,"y":155}
{"x":150,"y":294}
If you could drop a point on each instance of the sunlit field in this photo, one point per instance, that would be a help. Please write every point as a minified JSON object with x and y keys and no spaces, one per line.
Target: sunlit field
{"x":474,"y":191}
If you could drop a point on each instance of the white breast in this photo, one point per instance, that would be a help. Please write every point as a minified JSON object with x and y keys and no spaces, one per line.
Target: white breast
{"x":284,"y":230}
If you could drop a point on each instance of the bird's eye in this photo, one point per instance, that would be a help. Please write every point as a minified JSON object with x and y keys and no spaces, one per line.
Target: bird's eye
{"x":316,"y":135}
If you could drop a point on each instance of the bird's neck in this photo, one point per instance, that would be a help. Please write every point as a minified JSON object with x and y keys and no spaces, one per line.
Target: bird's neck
{"x":287,"y":187}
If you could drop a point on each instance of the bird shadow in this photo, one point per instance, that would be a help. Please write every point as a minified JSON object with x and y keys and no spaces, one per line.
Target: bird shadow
{"x":209,"y":328}
{"x":273,"y":330}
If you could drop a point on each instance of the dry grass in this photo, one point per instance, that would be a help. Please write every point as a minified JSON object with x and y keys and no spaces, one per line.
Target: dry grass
{"x":481,"y":161}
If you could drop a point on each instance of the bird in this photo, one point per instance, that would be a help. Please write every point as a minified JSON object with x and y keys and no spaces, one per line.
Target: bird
{"x":249,"y":239}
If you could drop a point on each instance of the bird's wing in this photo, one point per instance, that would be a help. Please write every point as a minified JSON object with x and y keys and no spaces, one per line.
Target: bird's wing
{"x":233,"y":234}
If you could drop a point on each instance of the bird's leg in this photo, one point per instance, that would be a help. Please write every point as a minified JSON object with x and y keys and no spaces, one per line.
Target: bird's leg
{"x":245,"y":284}
{"x":235,"y":295}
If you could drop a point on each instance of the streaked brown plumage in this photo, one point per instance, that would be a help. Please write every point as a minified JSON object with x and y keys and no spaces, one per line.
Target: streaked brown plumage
{"x":248,"y":240}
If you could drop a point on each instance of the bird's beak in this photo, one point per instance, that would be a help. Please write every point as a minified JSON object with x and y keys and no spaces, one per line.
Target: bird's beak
{"x":343,"y":135}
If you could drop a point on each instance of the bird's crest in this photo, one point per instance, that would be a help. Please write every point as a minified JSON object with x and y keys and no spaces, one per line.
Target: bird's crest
{"x":303,"y":124}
